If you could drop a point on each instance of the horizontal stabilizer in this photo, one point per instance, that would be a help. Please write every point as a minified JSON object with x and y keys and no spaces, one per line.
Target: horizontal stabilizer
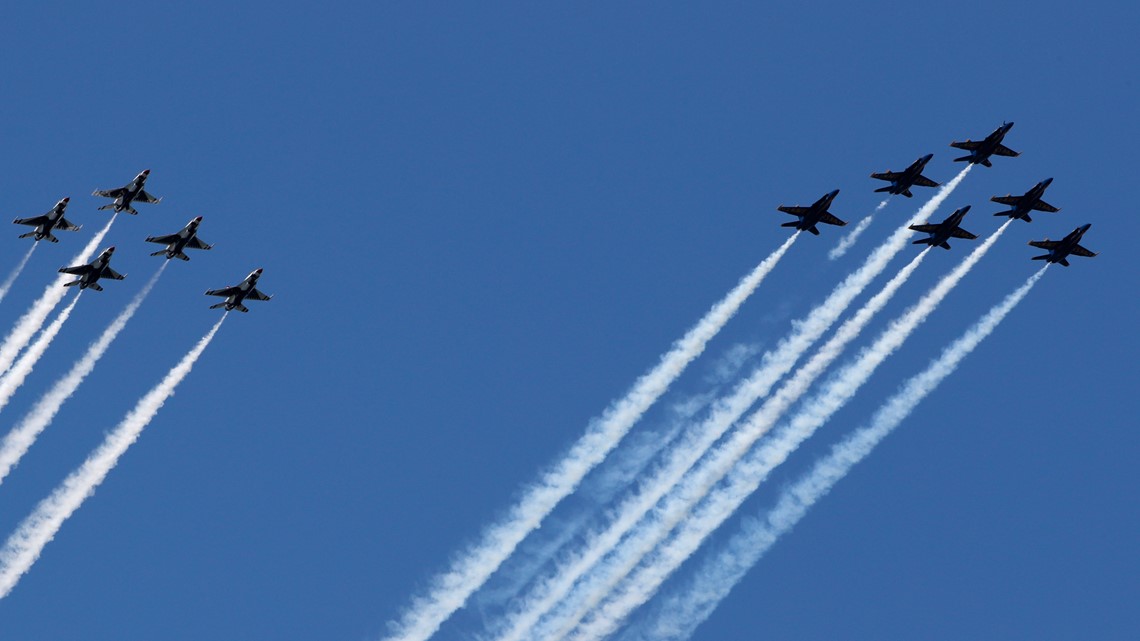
{"x":944,"y":245}
{"x":882,"y":189}
{"x":813,"y":230}
{"x":29,"y":234}
{"x":51,"y":238}
{"x":96,"y":286}
{"x":241,"y":308}
{"x":107,"y":206}
{"x":1044,"y":257}
{"x":906,"y":192}
{"x":158,"y":253}
{"x":72,"y":283}
{"x":222,"y":304}
{"x":1063,"y":262}
{"x":791,"y":224}
{"x":182,"y":256}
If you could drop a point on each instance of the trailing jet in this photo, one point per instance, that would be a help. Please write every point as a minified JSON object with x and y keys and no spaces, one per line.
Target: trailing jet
{"x":45,"y":224}
{"x":981,"y":151}
{"x":902,"y":181}
{"x":1026,"y":202}
{"x":175,"y":243}
{"x":810,"y":216}
{"x":238,"y":293}
{"x":124,"y":196}
{"x":1060,"y":249}
{"x":944,"y":230}
{"x":90,"y":273}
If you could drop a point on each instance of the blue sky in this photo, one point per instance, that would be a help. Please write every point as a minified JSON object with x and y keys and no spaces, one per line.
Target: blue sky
{"x":482,"y":223}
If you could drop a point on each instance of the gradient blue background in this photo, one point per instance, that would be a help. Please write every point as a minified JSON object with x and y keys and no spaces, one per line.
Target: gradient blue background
{"x":482,"y":223}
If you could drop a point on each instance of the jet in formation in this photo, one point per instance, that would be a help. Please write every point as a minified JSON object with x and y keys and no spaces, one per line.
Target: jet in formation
{"x":1029,"y":201}
{"x":237,"y":294}
{"x":812,"y":215}
{"x":177,"y":242}
{"x":45,"y":224}
{"x":90,"y":273}
{"x":980,"y":151}
{"x":945,"y":230}
{"x":125,"y":196}
{"x":902,"y":181}
{"x":1059,"y":250}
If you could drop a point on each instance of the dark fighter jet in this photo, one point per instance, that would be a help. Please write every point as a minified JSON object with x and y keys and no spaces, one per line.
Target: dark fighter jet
{"x":131,"y":193}
{"x":945,"y":230}
{"x":1060,"y":249}
{"x":45,"y":224}
{"x":175,"y":243}
{"x":90,"y":273}
{"x":1023,"y":204}
{"x":810,"y":216}
{"x":238,"y":293}
{"x":981,"y":151}
{"x":902,"y":181}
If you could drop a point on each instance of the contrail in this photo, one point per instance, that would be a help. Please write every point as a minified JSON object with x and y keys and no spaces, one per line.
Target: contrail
{"x":718,"y":505}
{"x":726,"y":412}
{"x":587,"y":594}
{"x":847,"y":241}
{"x":15,"y":377}
{"x":682,"y":612}
{"x":17,"y":442}
{"x":34,"y":318}
{"x":449,"y":591}
{"x":24,"y":546}
{"x":16,"y":272}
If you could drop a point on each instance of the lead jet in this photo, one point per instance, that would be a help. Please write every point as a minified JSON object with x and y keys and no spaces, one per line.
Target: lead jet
{"x":810,"y":216}
{"x":1060,"y":249}
{"x":90,"y":273}
{"x":124,"y":196}
{"x":175,"y":243}
{"x":45,"y":224}
{"x":902,"y":181}
{"x":944,"y":230}
{"x":238,"y":293}
{"x":1029,"y":201}
{"x":981,"y":150}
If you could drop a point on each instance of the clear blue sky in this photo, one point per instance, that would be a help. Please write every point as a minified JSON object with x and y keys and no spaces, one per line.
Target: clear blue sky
{"x":481,"y":223}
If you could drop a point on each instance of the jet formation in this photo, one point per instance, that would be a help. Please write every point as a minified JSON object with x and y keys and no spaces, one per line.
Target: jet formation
{"x":176,"y":244}
{"x":901,"y":182}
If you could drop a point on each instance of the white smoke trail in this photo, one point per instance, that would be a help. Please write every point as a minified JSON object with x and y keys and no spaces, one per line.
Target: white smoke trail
{"x":17,"y":442}
{"x":847,"y":241}
{"x":24,"y":546}
{"x":644,"y":538}
{"x":681,"y":613}
{"x":718,"y":505}
{"x":449,"y":591}
{"x":15,"y":377}
{"x":34,"y":318}
{"x":16,"y":272}
{"x":774,"y":365}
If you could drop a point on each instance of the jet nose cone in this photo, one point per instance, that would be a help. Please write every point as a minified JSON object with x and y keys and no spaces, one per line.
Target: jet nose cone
{"x":111,"y":250}
{"x":1047,"y":182}
{"x":146,"y":172}
{"x":65,"y":200}
{"x":257,"y":271}
{"x":927,"y":157}
{"x":198,"y":219}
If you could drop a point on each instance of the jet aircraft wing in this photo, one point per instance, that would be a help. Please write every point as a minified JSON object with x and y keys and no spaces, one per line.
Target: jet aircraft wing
{"x":831,"y":220}
{"x":888,"y":175}
{"x":112,"y":274}
{"x":144,"y":197}
{"x":968,"y":145}
{"x":162,"y":240}
{"x":928,"y":228}
{"x":225,"y":291}
{"x":256,"y":294}
{"x":795,"y":211}
{"x":1006,"y":200}
{"x":66,"y":225}
{"x":1041,"y":205}
{"x":923,"y":181}
{"x":196,"y":243}
{"x":1081,"y":251}
{"x":962,"y":233}
{"x":34,"y":220}
{"x":110,"y":193}
{"x":1045,"y":244}
{"x":77,"y":270}
{"x":1002,"y":150}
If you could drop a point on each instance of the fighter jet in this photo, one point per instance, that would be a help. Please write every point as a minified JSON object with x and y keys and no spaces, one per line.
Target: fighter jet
{"x":1026,"y":202}
{"x":945,"y":230}
{"x":1060,"y":249}
{"x":810,"y":216}
{"x":902,"y":181}
{"x":981,"y":151}
{"x":124,"y":196}
{"x":175,"y":243}
{"x":45,"y":224}
{"x":238,"y":293}
{"x":90,"y":273}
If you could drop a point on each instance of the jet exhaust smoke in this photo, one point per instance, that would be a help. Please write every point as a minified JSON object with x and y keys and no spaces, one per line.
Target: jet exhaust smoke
{"x":16,"y":272}
{"x":17,"y":442}
{"x":34,"y":318}
{"x":24,"y":546}
{"x":679,"y":615}
{"x":718,"y":505}
{"x":450,"y":590}
{"x":15,"y":377}
{"x":847,"y":241}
